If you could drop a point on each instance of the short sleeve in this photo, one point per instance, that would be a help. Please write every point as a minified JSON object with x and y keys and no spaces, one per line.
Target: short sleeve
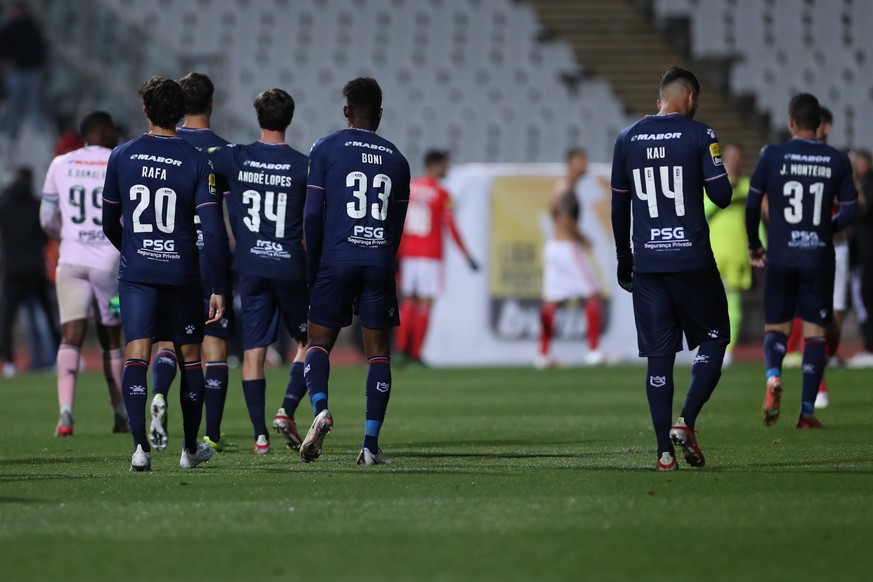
{"x":221,"y":159}
{"x":207,"y":192}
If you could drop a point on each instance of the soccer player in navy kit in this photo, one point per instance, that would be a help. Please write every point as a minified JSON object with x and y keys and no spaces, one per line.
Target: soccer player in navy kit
{"x":267,"y":182}
{"x":801,"y":179}
{"x":356,"y":201}
{"x":156,"y":184}
{"x":661,"y":165}
{"x":196,"y":130}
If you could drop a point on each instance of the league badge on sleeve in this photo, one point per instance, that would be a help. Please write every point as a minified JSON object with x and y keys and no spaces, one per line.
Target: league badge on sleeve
{"x":715,"y":152}
{"x":212,"y":183}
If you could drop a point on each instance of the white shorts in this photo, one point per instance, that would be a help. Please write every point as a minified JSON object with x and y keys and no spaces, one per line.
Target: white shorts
{"x":421,"y":277}
{"x":841,"y":276}
{"x":567,"y":272}
{"x":80,"y":287}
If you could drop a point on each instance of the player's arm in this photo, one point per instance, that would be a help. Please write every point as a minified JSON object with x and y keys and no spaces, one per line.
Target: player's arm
{"x":847,"y":198}
{"x":621,"y":218}
{"x":715,"y":178}
{"x":400,"y":204}
{"x":757,"y":191}
{"x":209,"y":209}
{"x":313,"y":213}
{"x":112,"y":204}
{"x":451,"y":225}
{"x":49,"y":210}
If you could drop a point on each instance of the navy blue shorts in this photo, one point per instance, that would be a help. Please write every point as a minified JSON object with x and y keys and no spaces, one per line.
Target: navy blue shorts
{"x":805,"y":292}
{"x":263,"y":300}
{"x":342,"y":291}
{"x":666,"y":305}
{"x":166,"y":312}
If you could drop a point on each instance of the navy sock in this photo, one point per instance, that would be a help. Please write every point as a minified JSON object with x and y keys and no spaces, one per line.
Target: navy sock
{"x":774,"y":352}
{"x":316,"y":371}
{"x":296,"y":389}
{"x":378,"y":394}
{"x":813,"y":369}
{"x":191,"y":389}
{"x":659,"y":389}
{"x":705,"y":373}
{"x":216,"y":395}
{"x":255,"y":392}
{"x":134,"y":390}
{"x":163,"y":371}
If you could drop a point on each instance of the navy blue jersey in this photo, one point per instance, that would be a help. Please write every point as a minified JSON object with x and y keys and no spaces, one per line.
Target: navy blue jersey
{"x":203,"y":139}
{"x":267,"y":184}
{"x":159,"y":183}
{"x":660,"y":167}
{"x":358,"y":191}
{"x":801,"y":179}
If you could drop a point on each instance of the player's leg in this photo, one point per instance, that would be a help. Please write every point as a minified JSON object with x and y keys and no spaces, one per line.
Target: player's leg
{"x":215,"y":355}
{"x":409,"y":284}
{"x":293,"y":303}
{"x":547,"y":325}
{"x":735,"y":314}
{"x":815,"y":307}
{"x":191,"y":393}
{"x":260,"y":320}
{"x":659,"y":337}
{"x":780,"y":301}
{"x":164,"y":369}
{"x":700,"y":300}
{"x":793,"y":345}
{"x":378,"y":313}
{"x":316,"y":374}
{"x":105,"y":287}
{"x":68,"y":362}
{"x":554,"y":293}
{"x":586,"y":285}
{"x":430,"y":283}
{"x":74,"y":299}
{"x":331,"y":304}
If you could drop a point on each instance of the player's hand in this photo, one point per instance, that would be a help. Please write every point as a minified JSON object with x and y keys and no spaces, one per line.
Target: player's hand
{"x":216,"y":308}
{"x":758,"y":257}
{"x":473,"y":264}
{"x":626,"y":273}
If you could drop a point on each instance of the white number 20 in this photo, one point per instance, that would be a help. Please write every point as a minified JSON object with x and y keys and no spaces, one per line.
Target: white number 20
{"x":165,"y":208}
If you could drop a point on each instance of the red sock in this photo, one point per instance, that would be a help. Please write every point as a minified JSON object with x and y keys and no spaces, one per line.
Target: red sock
{"x":407,"y":324}
{"x":547,"y":322}
{"x":794,"y":343}
{"x":422,"y":317}
{"x":833,"y":343}
{"x":594,"y":315}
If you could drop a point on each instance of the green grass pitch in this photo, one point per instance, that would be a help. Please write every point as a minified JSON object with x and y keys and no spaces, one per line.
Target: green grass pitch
{"x":498,"y":474}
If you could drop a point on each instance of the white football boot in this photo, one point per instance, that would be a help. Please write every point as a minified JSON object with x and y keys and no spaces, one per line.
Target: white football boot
{"x":201,"y":455}
{"x":158,"y":427}
{"x":141,"y":461}
{"x":310,"y":449}
{"x":366,"y":457}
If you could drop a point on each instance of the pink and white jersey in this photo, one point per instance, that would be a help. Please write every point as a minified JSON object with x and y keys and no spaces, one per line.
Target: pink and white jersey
{"x":75,"y":181}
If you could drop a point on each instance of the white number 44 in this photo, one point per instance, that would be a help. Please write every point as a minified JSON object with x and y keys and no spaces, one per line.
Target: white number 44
{"x":648,"y":192}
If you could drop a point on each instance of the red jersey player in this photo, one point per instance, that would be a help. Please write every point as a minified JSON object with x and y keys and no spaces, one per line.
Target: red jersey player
{"x":421,"y":253}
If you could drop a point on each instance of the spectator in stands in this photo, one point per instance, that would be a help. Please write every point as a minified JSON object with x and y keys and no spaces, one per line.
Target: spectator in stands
{"x":863,"y":234}
{"x":727,"y":234}
{"x":22,"y":261}
{"x":22,"y":51}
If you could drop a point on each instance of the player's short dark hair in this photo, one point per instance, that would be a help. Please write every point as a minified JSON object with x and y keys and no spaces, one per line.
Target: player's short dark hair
{"x":826,"y":115}
{"x":364,"y":97}
{"x":94,"y":121}
{"x":686,"y":77}
{"x":275,"y":109}
{"x":164,"y":101}
{"x":433,"y":157}
{"x":573,"y":152}
{"x":198,"y":90}
{"x":805,"y":111}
